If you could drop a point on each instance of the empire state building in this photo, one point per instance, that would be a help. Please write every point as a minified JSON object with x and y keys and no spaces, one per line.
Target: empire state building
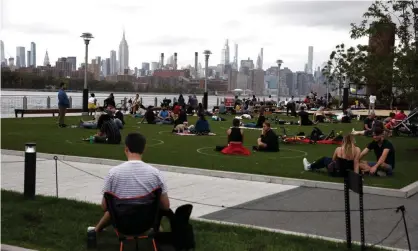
{"x":123,"y":55}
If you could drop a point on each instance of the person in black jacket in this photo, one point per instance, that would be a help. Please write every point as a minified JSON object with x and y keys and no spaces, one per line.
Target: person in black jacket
{"x":268,"y":141}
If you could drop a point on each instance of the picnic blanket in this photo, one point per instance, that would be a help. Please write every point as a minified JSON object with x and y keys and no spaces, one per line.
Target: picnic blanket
{"x":192,"y":134}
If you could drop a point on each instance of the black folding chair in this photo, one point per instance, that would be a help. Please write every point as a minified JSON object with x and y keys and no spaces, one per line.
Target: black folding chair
{"x":133,"y":217}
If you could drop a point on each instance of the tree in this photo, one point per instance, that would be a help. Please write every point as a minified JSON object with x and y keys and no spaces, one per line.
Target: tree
{"x":397,"y":69}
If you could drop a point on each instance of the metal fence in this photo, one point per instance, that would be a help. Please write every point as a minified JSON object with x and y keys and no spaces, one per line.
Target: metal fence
{"x":11,"y":102}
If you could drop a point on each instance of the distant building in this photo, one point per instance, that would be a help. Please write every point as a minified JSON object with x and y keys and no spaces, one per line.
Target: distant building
{"x":113,"y":63}
{"x":73,"y":62}
{"x":20,"y":57}
{"x":29,"y":57}
{"x":123,"y":54}
{"x":64,"y":66}
{"x":32,"y":61}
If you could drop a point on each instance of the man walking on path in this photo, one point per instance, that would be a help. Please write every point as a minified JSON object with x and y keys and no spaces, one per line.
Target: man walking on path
{"x":63,"y":104}
{"x":372,"y":102}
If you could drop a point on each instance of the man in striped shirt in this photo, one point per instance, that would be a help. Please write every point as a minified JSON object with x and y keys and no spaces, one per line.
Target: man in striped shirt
{"x":133,"y":178}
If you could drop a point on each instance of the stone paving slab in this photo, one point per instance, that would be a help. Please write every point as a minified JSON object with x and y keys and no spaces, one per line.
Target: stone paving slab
{"x":405,"y":192}
{"x":75,"y":184}
{"x":378,"y":224}
{"x":5,"y":247}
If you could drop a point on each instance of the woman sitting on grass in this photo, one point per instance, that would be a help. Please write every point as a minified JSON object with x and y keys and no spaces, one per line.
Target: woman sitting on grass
{"x":235,"y":141}
{"x":201,"y":127}
{"x":346,"y":157}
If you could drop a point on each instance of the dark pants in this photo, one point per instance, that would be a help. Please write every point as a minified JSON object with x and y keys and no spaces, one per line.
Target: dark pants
{"x":321,"y":163}
{"x":62,"y":110}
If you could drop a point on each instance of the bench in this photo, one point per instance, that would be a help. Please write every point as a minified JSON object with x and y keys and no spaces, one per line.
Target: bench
{"x":22,"y":112}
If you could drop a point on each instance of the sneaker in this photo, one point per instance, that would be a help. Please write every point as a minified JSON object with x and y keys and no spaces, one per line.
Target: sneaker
{"x":352,"y":131}
{"x":255,"y":148}
{"x":381,"y":174}
{"x":306,"y":164}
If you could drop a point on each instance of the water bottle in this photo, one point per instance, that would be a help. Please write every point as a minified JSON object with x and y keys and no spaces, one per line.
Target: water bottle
{"x":91,"y":139}
{"x":91,"y":238}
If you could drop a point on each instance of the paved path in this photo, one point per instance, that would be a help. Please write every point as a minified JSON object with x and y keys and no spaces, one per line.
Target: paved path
{"x":79,"y":185}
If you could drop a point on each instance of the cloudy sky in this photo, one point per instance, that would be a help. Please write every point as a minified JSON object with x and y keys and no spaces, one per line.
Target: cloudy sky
{"x":283,"y":29}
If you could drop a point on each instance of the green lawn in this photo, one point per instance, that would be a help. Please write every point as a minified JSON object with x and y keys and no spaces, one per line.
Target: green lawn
{"x":198,"y":151}
{"x":48,"y":223}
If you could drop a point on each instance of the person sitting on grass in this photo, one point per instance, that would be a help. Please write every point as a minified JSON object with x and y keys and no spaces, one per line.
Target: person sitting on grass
{"x":304,"y":118}
{"x":268,"y":141}
{"x":133,"y":178}
{"x":384,"y":152}
{"x":181,"y":117}
{"x":346,"y":156}
{"x":149,"y":116}
{"x":164,"y":116}
{"x":109,"y":132}
{"x":259,"y":124}
{"x":368,"y":126}
{"x":201,"y":127}
{"x":235,"y":141}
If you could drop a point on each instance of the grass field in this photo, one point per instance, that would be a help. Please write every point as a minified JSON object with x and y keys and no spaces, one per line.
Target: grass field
{"x":198,"y":151}
{"x":51,"y":224}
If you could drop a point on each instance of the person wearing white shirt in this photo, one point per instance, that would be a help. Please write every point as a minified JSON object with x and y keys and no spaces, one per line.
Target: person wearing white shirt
{"x":372,"y":102}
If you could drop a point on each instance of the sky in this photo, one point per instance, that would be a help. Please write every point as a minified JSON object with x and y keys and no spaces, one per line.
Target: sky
{"x":284,"y":29}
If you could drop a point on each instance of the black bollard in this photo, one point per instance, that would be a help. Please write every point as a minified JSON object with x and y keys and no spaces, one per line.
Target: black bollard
{"x":30,"y":171}
{"x":205,"y":101}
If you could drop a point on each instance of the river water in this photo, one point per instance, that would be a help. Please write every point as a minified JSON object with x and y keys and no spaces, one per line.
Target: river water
{"x":11,"y":100}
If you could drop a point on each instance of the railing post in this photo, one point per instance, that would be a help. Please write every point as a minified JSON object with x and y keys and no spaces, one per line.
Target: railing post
{"x":141,"y":101}
{"x":71,"y":102}
{"x":174,"y":100}
{"x":48,"y":102}
{"x":125,"y":101}
{"x":25,"y":102}
{"x":217,"y":101}
{"x":155,"y":102}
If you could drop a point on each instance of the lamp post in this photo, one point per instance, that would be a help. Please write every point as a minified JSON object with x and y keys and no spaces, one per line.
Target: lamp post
{"x":205,"y":95}
{"x":87,"y":37}
{"x":415,"y":10}
{"x":345,"y":92}
{"x":30,"y":171}
{"x":279,"y":64}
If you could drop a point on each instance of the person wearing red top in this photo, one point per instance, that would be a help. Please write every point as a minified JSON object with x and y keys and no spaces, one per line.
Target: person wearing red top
{"x":400,"y":115}
{"x":176,"y":108}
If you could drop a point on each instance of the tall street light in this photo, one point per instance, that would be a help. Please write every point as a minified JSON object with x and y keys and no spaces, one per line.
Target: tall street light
{"x":205,"y":95}
{"x":415,"y":10}
{"x":279,"y":64}
{"x":87,"y":37}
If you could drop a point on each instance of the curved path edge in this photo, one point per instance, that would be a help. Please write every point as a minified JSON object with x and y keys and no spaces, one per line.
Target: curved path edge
{"x":404,"y":192}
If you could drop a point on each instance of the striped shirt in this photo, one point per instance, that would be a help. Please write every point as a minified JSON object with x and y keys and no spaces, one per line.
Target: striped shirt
{"x":111,"y":130}
{"x":133,"y":178}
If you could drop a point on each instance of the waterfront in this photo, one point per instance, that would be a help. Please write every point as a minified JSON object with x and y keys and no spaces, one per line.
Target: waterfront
{"x":11,"y":100}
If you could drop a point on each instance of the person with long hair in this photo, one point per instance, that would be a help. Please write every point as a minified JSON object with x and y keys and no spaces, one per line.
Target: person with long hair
{"x":235,"y":141}
{"x":345,"y":157}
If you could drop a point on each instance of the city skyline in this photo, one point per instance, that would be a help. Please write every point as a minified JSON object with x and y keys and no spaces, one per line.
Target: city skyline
{"x":285,"y":37}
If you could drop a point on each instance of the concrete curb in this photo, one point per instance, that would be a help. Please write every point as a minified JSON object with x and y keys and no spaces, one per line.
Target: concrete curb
{"x":405,"y":192}
{"x":5,"y":247}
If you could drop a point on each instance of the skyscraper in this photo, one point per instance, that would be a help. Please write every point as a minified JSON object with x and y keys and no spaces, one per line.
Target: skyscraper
{"x":260,"y":60}
{"x":46,"y":59}
{"x":33,"y":54}
{"x":310,"y":60}
{"x":73,"y":62}
{"x":2,"y":56}
{"x":236,"y":57}
{"x":20,"y":57}
{"x":123,"y":55}
{"x":29,"y":56}
{"x":225,"y":54}
{"x":113,"y":63}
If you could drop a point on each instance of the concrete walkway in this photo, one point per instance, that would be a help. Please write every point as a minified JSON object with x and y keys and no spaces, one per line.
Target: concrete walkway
{"x":75,"y":184}
{"x":204,"y":190}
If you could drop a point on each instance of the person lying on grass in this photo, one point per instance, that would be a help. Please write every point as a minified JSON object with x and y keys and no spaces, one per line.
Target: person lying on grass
{"x":345,"y":157}
{"x":384,"y":152}
{"x":133,"y":178}
{"x":268,"y":140}
{"x":235,"y":141}
{"x":259,"y":124}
